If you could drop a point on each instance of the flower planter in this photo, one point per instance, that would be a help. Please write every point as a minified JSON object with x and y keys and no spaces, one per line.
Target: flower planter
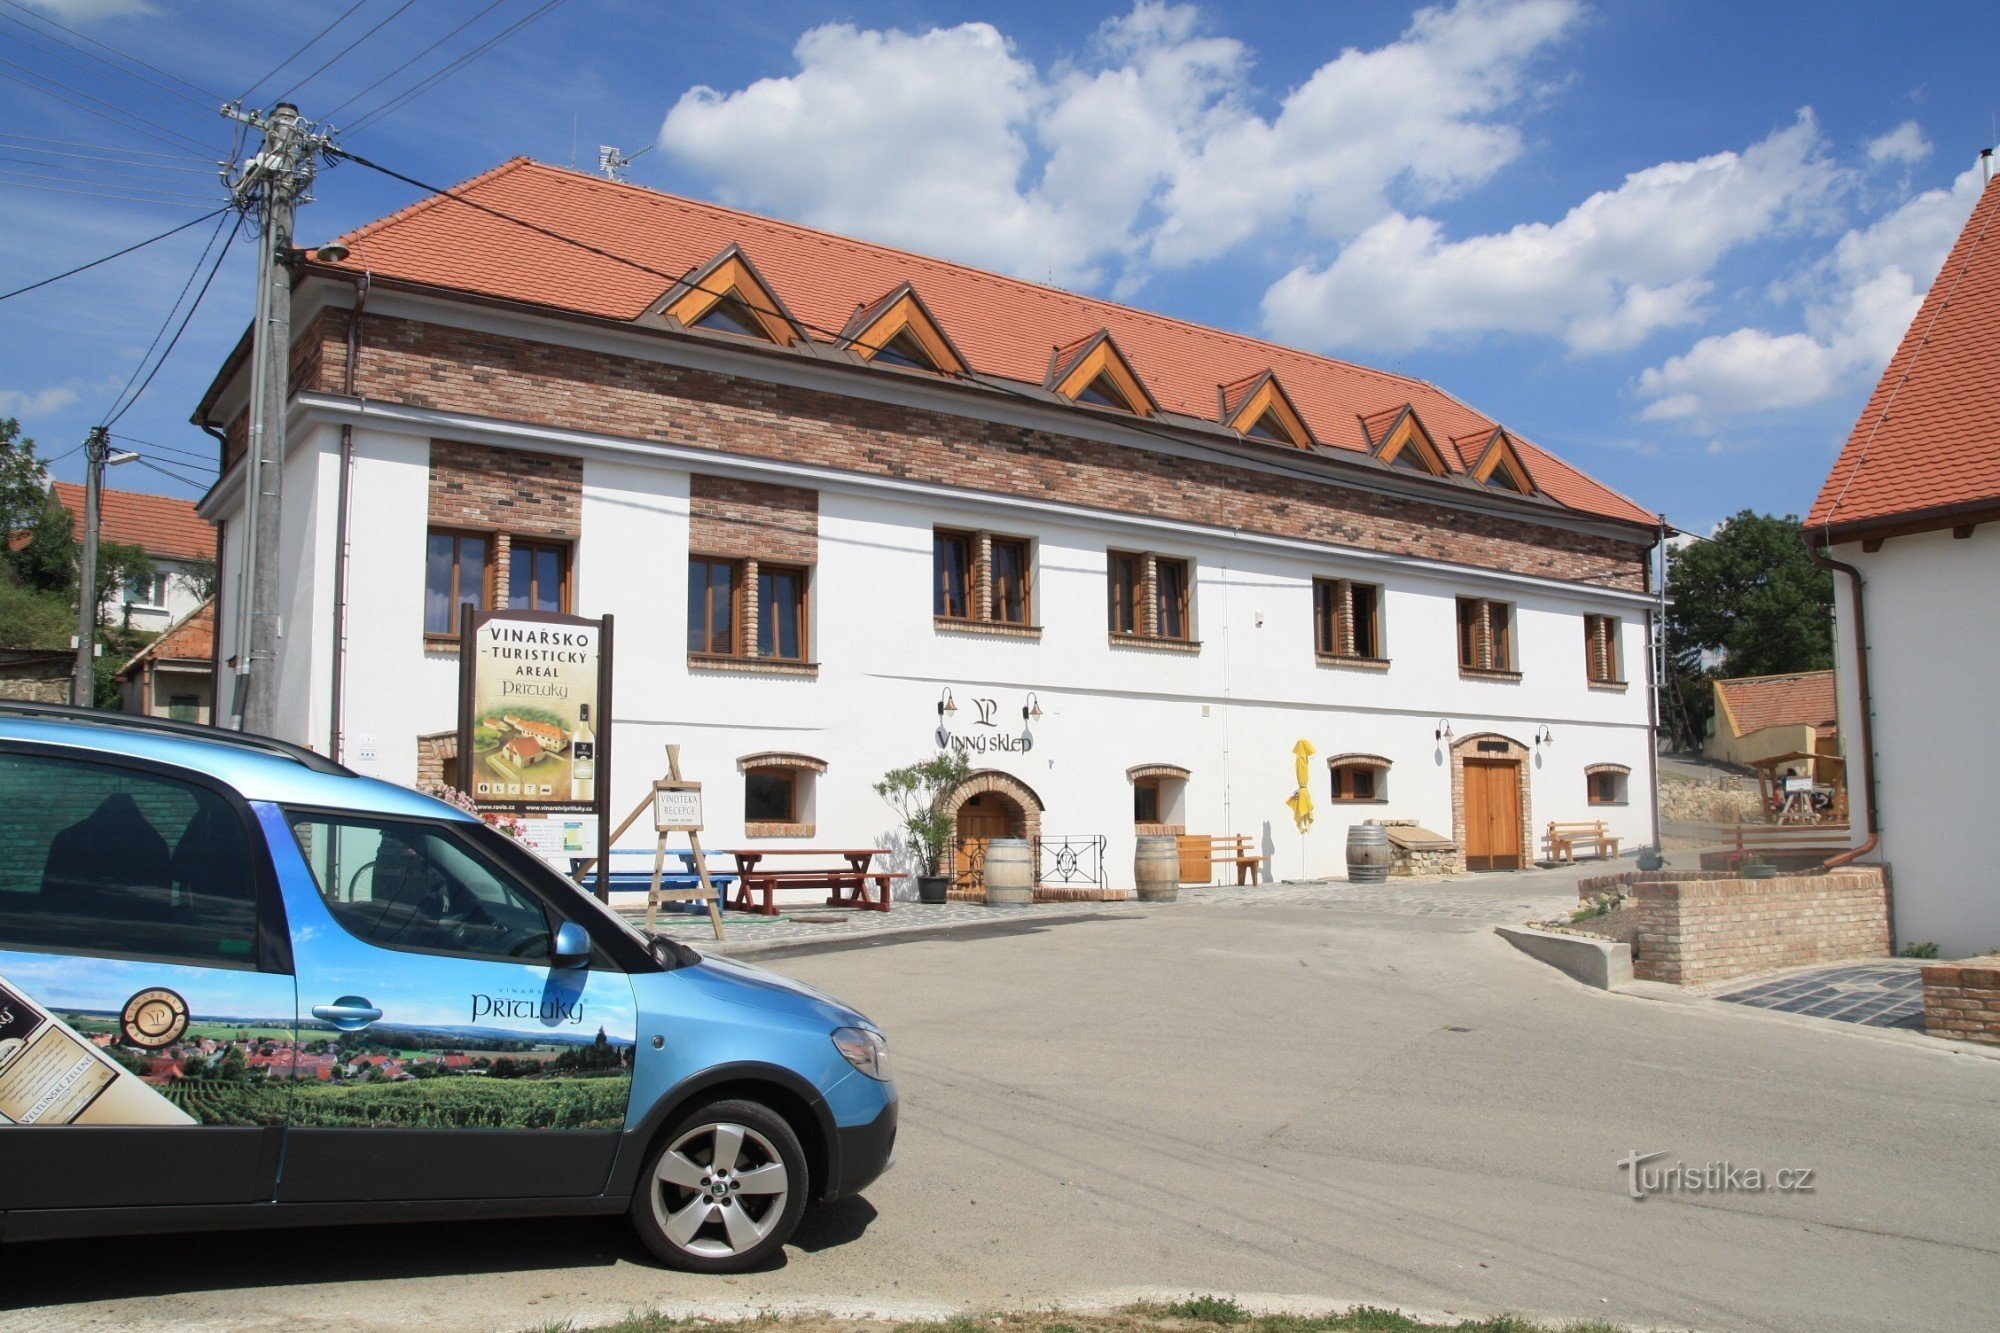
{"x":933,"y":888}
{"x":1760,"y":872}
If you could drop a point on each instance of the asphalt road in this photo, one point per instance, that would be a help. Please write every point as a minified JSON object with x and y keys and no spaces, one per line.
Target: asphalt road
{"x":1286,"y":1100}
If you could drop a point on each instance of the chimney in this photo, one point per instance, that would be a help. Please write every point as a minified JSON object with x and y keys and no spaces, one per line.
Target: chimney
{"x":1985,"y":167}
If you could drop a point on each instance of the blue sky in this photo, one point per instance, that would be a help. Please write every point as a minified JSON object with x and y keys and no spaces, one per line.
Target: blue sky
{"x":1673,"y":242}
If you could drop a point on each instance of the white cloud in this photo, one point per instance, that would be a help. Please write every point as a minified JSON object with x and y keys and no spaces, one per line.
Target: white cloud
{"x":1904,"y":145}
{"x":85,"y":11}
{"x":1857,"y":303}
{"x":35,"y":402}
{"x":1615,"y":269}
{"x":1146,"y":152}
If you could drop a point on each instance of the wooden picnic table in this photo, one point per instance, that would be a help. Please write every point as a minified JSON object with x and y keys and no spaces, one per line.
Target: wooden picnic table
{"x":848,"y":886}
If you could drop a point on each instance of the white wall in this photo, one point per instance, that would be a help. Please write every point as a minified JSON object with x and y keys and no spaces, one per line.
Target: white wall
{"x":1230,"y":714}
{"x":1933,"y":639}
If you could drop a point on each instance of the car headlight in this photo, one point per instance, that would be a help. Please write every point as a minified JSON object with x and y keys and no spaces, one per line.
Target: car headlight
{"x":866,"y":1049}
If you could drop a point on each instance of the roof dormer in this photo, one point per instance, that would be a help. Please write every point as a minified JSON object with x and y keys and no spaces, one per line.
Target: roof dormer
{"x":1499,"y":463}
{"x":728,"y":295}
{"x":1092,"y":371}
{"x":1258,"y":408}
{"x":1403,"y":442}
{"x":899,"y":330}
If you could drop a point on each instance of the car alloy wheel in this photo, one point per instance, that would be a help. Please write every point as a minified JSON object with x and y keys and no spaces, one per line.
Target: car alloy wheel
{"x":724,"y":1190}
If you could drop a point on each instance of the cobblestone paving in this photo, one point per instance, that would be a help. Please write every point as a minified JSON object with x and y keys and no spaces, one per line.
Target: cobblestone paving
{"x":1887,"y":994}
{"x":1485,"y":900}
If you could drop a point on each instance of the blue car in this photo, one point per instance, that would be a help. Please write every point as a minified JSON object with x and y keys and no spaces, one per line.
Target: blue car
{"x":242,"y":986}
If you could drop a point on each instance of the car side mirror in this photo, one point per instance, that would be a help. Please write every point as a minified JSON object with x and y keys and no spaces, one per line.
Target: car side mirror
{"x":572,"y":946}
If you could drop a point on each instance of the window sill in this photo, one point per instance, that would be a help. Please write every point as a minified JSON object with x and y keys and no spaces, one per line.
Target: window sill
{"x":1352,"y":661}
{"x":1502,"y":677}
{"x":441,"y":643}
{"x":1610,"y":686}
{"x":777,"y":830}
{"x":1154,"y":641}
{"x":999,"y":629}
{"x":1159,"y":830}
{"x":1358,"y":800}
{"x":751,"y":666}
{"x":1601,"y":804}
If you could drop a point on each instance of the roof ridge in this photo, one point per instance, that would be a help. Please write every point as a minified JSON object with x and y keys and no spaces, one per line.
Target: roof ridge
{"x":1774,"y":675}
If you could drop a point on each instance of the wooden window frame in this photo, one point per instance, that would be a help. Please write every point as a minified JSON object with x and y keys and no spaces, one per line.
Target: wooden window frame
{"x":790,"y":778}
{"x":736,"y":599}
{"x":996,"y":599}
{"x":490,"y":576}
{"x":1602,"y":664}
{"x":1126,"y":599}
{"x":1138,"y":608}
{"x":985,"y":593}
{"x":564,"y":553}
{"x":1346,"y":787}
{"x":1490,"y":654}
{"x":968,"y":547}
{"x":1333,"y":636}
{"x":1615,"y":787}
{"x":803,"y":612}
{"x":1151,"y":785}
{"x":1162,"y":597}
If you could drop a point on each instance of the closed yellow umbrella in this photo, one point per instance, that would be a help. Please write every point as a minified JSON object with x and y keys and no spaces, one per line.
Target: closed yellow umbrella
{"x":1301,"y":801}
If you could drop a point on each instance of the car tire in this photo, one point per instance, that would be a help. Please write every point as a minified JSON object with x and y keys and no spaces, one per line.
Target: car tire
{"x":723,"y":1189}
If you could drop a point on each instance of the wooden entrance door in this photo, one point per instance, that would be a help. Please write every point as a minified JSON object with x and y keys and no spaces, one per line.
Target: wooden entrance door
{"x":1493,"y":814}
{"x":980,"y":820}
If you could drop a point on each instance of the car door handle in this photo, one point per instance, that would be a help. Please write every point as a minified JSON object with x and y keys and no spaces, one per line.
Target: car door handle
{"x":349,"y":1013}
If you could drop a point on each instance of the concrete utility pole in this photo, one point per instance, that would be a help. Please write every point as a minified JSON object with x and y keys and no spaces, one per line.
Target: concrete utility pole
{"x":269,"y":189}
{"x":83,"y":686}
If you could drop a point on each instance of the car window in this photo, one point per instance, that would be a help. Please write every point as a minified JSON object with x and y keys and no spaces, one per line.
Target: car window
{"x":106,"y":860}
{"x":405,"y":884}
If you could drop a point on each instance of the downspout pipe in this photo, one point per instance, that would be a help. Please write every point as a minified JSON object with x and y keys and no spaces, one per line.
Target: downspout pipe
{"x":1816,"y":552}
{"x":1655,"y":670}
{"x":337,"y":712}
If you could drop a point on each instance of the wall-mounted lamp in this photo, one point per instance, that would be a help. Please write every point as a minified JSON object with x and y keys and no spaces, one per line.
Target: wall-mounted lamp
{"x":1443,"y":733}
{"x":947,"y":706}
{"x":1543,"y":736}
{"x":1031,"y":711}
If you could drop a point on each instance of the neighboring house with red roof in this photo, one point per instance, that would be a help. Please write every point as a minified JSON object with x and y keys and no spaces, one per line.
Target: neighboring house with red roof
{"x":850,"y":503}
{"x":179,"y":540}
{"x":1911,"y":513}
{"x":174,"y":675}
{"x":1759,"y":716}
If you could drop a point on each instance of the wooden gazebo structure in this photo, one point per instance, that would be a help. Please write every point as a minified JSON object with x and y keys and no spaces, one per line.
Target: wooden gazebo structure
{"x":1822,"y":799}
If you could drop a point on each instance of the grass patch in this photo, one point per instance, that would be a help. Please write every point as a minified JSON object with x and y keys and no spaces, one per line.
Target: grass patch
{"x":1196,"y":1314}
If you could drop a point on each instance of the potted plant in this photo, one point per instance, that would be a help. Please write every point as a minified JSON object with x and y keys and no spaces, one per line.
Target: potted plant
{"x":916,"y":793}
{"x":1756,"y":867}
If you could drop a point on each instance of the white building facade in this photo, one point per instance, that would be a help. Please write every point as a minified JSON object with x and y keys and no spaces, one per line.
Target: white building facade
{"x":823,"y":566}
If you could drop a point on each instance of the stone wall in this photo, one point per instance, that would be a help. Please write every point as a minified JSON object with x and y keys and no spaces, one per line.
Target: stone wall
{"x":1962,"y":1000}
{"x":1695,"y":931}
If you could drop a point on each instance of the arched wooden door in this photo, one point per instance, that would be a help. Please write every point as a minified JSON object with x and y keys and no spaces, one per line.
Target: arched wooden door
{"x":981,"y":819}
{"x":1493,"y":814}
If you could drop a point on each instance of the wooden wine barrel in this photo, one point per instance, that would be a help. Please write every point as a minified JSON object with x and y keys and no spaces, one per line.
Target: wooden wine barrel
{"x":1156,"y":868}
{"x":1368,"y":853}
{"x":1010,"y":873}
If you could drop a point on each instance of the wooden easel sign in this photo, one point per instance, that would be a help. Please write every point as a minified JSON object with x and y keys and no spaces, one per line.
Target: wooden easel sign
{"x":676,"y":806}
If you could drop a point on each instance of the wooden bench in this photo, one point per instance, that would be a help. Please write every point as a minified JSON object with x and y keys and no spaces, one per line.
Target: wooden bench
{"x":847,"y":886}
{"x":1564,"y":839}
{"x":1796,"y":844}
{"x":1200,"y":853}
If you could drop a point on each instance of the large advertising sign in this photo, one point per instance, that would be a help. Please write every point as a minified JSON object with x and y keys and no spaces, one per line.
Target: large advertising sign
{"x":534,"y":718}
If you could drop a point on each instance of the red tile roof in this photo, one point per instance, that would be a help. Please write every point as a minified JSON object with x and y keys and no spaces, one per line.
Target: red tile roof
{"x":1928,"y":442}
{"x":157,"y":524}
{"x":1006,"y":328}
{"x":1752,"y":703}
{"x":189,"y":639}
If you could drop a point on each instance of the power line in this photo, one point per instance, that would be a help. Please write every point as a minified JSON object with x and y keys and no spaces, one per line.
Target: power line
{"x":301,"y":51}
{"x":212,"y":99}
{"x":447,"y":71}
{"x":413,"y":59}
{"x":98,"y":147}
{"x":122,"y":119}
{"x":56,"y":47}
{"x":168,"y":351}
{"x":52,"y":172}
{"x":203,"y":460}
{"x":171,"y":310}
{"x":99,"y":160}
{"x":342,"y":53}
{"x":141,"y":245}
{"x":185,"y":481}
{"x":106,"y":194}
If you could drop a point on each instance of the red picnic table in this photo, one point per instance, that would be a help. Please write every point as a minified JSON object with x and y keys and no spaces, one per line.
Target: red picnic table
{"x":849,"y":885}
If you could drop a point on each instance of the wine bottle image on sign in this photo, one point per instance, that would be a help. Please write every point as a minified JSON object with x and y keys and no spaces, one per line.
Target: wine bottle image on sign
{"x":51,"y":1076}
{"x":583,"y":758}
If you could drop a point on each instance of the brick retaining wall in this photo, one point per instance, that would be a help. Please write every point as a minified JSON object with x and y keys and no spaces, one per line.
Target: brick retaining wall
{"x":1962,"y":1000}
{"x":1694,"y":931}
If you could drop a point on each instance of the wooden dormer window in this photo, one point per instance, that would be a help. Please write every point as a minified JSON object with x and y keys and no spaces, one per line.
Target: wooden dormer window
{"x":730,"y":315}
{"x":1095,"y":373}
{"x":728,"y":295}
{"x":899,"y":330}
{"x":1260,"y":409}
{"x":1500,"y":467}
{"x":1407,"y":445}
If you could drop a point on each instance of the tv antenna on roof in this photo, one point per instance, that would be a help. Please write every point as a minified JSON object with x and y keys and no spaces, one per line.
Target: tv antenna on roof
{"x":613,"y":163}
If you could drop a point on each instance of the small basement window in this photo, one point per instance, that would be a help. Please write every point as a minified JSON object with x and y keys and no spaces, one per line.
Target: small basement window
{"x":1359,"y":777}
{"x":1607,"y":783}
